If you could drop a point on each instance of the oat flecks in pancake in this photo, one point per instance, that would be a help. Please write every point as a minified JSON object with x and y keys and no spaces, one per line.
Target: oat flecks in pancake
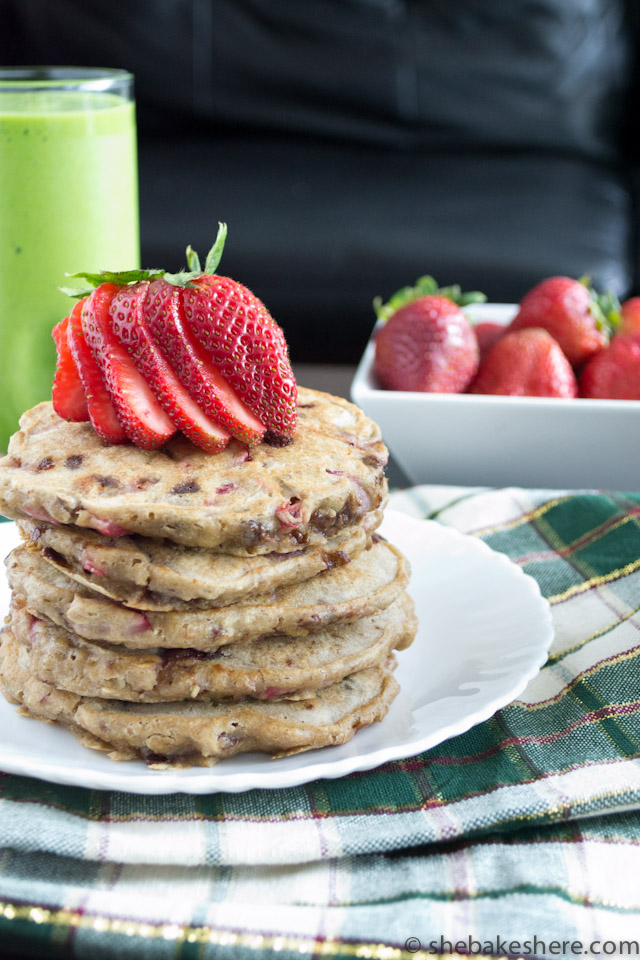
{"x":280,"y":667}
{"x":156,"y":575}
{"x":197,"y":732}
{"x":240,"y":501}
{"x":365,"y":586}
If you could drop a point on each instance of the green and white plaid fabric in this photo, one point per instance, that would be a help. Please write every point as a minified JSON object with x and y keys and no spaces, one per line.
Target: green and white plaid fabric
{"x":518,"y":838}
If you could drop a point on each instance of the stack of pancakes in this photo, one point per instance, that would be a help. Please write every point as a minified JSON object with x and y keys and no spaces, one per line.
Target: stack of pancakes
{"x":183,"y":607}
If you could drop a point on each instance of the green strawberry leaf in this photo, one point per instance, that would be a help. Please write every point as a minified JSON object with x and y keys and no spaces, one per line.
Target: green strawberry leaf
{"x":424,"y":287}
{"x":123,"y":278}
{"x":606,"y":311}
{"x":76,"y":292}
{"x":193,"y":260}
{"x":604,"y":308}
{"x":183,"y":278}
{"x":120,"y":277}
{"x":215,"y":254}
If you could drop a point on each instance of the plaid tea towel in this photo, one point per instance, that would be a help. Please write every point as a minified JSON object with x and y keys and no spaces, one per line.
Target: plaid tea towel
{"x":517,"y":838}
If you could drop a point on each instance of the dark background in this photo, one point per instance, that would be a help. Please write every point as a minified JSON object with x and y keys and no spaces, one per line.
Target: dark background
{"x":353,"y":145}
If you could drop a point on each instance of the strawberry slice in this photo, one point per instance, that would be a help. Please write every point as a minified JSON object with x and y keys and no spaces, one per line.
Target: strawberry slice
{"x":101,"y":411}
{"x":164,"y":315}
{"x":144,"y":421}
{"x":67,"y":392}
{"x":130,"y":326}
{"x":242,"y":340}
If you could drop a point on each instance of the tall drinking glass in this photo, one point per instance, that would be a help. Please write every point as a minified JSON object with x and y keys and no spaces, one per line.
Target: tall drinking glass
{"x":68,"y":202}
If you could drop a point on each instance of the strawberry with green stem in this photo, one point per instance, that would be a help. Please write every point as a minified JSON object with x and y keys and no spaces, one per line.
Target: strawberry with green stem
{"x":427,"y":343}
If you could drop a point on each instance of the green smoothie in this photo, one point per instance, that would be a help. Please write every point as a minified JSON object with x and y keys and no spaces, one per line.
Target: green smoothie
{"x":68,"y":202}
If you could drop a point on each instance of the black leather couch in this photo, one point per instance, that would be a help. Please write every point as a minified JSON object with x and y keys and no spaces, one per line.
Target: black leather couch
{"x":352,"y":145}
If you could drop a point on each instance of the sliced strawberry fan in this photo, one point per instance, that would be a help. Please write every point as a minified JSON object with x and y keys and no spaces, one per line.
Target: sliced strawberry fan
{"x":146,"y":353}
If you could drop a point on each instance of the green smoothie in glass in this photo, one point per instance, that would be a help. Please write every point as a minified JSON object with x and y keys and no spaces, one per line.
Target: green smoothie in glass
{"x":68,"y":202}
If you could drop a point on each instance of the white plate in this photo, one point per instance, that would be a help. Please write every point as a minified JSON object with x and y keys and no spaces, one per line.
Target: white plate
{"x":484,"y":633}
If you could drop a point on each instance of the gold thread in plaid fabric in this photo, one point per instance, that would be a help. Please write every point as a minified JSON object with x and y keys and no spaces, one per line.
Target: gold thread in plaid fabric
{"x":516,"y":747}
{"x":607,"y":717}
{"x":591,"y":577}
{"x":558,"y":528}
{"x":571,"y":551}
{"x":596,"y":581}
{"x":589,"y":672}
{"x":628,"y":505}
{"x":565,"y":550}
{"x":605,"y":711}
{"x":553,"y":813}
{"x":527,"y":517}
{"x":434,"y":514}
{"x":554,"y":658}
{"x":608,"y":526}
{"x":200,"y":935}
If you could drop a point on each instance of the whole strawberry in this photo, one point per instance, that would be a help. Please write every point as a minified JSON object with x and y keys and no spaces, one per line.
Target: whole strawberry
{"x":526,"y":363}
{"x":427,"y":343}
{"x":614,"y":373}
{"x":575,"y":316}
{"x":630,"y":313}
{"x":488,"y":333}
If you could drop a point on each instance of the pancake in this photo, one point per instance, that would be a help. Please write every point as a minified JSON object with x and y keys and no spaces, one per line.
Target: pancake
{"x":275,"y":668}
{"x":188,"y":733}
{"x":157,"y":575}
{"x":240,"y":501}
{"x":364,"y":587}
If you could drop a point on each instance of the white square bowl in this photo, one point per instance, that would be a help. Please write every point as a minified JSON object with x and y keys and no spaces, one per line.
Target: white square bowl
{"x":473,"y":440}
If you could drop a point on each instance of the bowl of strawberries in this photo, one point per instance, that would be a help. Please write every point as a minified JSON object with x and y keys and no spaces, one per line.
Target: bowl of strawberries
{"x":544,"y":393}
